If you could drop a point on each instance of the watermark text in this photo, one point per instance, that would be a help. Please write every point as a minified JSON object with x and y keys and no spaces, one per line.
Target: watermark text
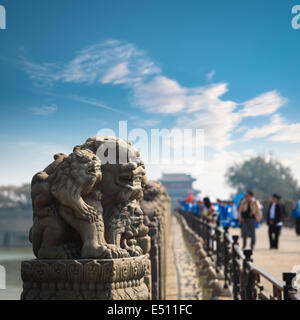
{"x":296,"y":18}
{"x":2,"y":17}
{"x":157,"y":146}
{"x":2,"y":277}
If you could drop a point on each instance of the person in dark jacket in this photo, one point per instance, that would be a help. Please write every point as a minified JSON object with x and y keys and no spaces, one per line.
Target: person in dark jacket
{"x":208,"y":207}
{"x":275,"y":220}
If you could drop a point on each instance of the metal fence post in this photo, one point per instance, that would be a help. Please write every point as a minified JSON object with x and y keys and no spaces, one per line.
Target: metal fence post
{"x":235,"y":275}
{"x":207,"y":237}
{"x":203,"y":231}
{"x":250,"y":293}
{"x":218,"y":247}
{"x":199,"y":226}
{"x":226,"y":257}
{"x":288,"y":287}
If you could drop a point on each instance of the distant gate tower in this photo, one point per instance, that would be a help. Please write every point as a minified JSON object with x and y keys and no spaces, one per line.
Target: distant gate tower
{"x":178,"y":186}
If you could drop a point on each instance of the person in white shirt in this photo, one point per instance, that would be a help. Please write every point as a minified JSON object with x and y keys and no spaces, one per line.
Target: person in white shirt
{"x":275,"y":220}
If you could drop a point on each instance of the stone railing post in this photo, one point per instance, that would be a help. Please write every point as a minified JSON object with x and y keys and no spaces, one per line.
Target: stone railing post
{"x":156,"y":206}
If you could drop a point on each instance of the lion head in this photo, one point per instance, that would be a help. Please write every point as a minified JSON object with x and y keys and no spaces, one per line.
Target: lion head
{"x":77,"y":174}
{"x":123,"y":171}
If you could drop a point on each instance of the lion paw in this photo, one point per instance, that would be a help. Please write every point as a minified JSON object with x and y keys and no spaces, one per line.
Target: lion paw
{"x":87,"y":212}
{"x":135,"y":251}
{"x":117,"y":252}
{"x":103,"y":252}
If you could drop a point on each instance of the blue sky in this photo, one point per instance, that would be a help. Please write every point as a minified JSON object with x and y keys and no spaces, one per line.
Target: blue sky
{"x":71,"y":67}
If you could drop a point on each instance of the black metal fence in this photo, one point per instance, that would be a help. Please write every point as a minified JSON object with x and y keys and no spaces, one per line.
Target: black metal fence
{"x":236,"y":266}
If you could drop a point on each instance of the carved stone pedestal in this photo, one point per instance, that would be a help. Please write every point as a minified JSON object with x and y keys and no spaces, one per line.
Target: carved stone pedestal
{"x":86,"y":279}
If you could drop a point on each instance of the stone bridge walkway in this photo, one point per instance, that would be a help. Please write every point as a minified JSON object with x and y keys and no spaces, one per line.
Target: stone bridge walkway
{"x":182,"y":282}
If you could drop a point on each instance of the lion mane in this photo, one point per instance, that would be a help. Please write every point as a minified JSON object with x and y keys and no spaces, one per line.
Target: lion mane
{"x":76,"y":178}
{"x":66,"y":183}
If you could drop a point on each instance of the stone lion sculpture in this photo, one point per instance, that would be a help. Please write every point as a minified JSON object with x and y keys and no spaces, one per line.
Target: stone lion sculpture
{"x":86,"y":205}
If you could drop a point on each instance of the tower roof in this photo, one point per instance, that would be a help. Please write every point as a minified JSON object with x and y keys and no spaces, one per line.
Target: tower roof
{"x":176,"y":177}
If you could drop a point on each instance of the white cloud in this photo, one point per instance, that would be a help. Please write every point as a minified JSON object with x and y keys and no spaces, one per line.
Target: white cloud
{"x":44,"y":110}
{"x":43,"y":73}
{"x":117,"y":62}
{"x":249,"y":152}
{"x":198,"y":107}
{"x":212,"y":177}
{"x":210,"y":75}
{"x":206,"y":110}
{"x":278,"y":130}
{"x":274,"y":126}
{"x":264,"y":104}
{"x":217,"y":126}
{"x":116,"y":74}
{"x":289,"y":133}
{"x":240,"y":129}
{"x":112,"y":61}
{"x":164,"y":95}
{"x":94,"y":102}
{"x":291,"y":158}
{"x":160,"y":95}
{"x":120,"y":63}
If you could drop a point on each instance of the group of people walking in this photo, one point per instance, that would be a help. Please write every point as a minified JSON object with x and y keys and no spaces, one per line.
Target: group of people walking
{"x":245,"y":213}
{"x":200,"y":206}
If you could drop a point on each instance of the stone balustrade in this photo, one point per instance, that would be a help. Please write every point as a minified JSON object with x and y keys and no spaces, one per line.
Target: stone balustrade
{"x":156,"y":206}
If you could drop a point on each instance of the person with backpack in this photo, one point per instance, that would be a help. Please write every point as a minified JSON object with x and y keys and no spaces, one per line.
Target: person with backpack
{"x":249,"y":214}
{"x":275,"y":215}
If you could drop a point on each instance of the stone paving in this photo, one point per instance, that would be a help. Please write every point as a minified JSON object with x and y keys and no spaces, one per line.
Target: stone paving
{"x":182,"y":281}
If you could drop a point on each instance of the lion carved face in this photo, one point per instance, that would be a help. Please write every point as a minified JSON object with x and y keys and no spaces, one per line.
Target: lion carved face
{"x":124,"y":180}
{"x":85,"y":168}
{"x":79,"y":172}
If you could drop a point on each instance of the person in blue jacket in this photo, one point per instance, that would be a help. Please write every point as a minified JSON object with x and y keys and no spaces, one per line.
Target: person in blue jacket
{"x":189,"y":206}
{"x":183,"y":205}
{"x":222,"y":213}
{"x":229,"y":213}
{"x":296,"y":215}
{"x":195,"y":208}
